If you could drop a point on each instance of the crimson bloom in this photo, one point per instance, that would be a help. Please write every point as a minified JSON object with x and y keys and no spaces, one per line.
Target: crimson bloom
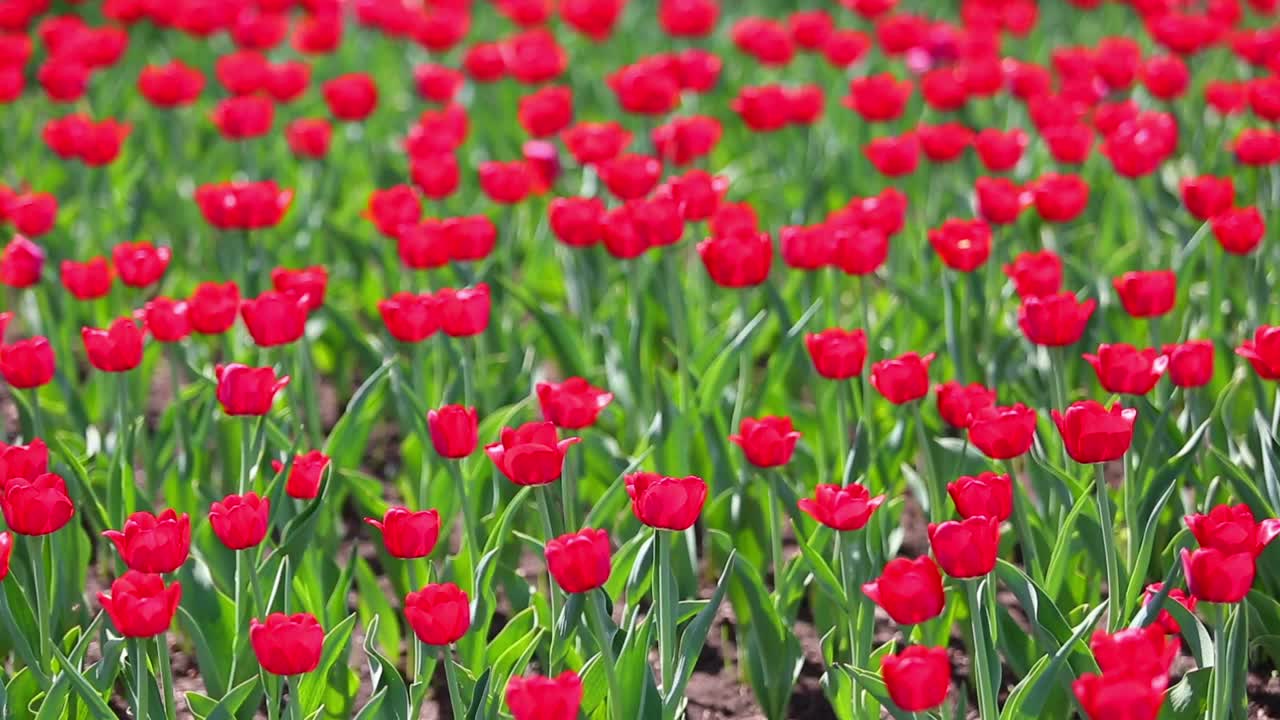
{"x":23,"y":461}
{"x":116,"y":349}
{"x":1122,"y":368}
{"x":465,"y":312}
{"x":243,"y":205}
{"x":1003,"y":433}
{"x":1094,"y":434}
{"x":1054,"y":320}
{"x":1262,"y":351}
{"x":666,"y":503}
{"x":275,"y":318}
{"x":438,"y":614}
{"x":36,"y":506}
{"x":576,"y":221}
{"x":532,"y":454}
{"x":688,"y":18}
{"x":171,"y":85}
{"x":244,"y":390}
{"x":918,"y":678}
{"x":213,"y":307}
{"x":422,"y":246}
{"x":1218,"y":577}
{"x":966,"y":548}
{"x":244,"y":117}
{"x":453,"y":430}
{"x":963,"y":245}
{"x":763,"y":108}
{"x":1000,"y":151}
{"x":1069,"y":143}
{"x":546,"y":111}
{"x":837,"y":354}
{"x":21,"y":262}
{"x":27,"y":363}
{"x":764,"y":39}
{"x":1147,"y":294}
{"x":534,"y":56}
{"x":541,"y":698}
{"x":507,"y":183}
{"x":1165,"y":619}
{"x":593,"y":142}
{"x":1060,"y":198}
{"x":153,"y":543}
{"x":287,"y":644}
{"x":308,"y":283}
{"x":878,"y":98}
{"x":305,"y":474}
{"x":738,"y":260}
{"x":140,"y":605}
{"x":579,"y":561}
{"x":945,"y":142}
{"x":1165,"y":76}
{"x":572,"y":404}
{"x":240,"y":521}
{"x":1239,"y":230}
{"x":767,"y":442}
{"x":958,"y":403}
{"x":6,"y":552}
{"x":309,"y":137}
{"x":841,"y":508}
{"x":984,"y":495}
{"x":140,"y":263}
{"x":87,"y":280}
{"x":33,"y":214}
{"x":894,"y":156}
{"x":352,"y":97}
{"x":1207,"y":196}
{"x":407,"y":534}
{"x":683,"y":140}
{"x":1104,"y":697}
{"x":410,"y":318}
{"x":910,"y":591}
{"x":902,"y":379}
{"x":1232,"y":529}
{"x":1190,"y":363}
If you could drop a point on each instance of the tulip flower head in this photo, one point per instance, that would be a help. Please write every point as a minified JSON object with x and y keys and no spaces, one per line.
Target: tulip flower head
{"x":918,"y":678}
{"x":984,"y":495}
{"x":910,"y":591}
{"x":27,"y":364}
{"x":1218,"y":577}
{"x":957,"y":403}
{"x":240,"y":521}
{"x":766,"y":442}
{"x":841,"y":508}
{"x":966,"y":548}
{"x":116,"y":349}
{"x":36,"y":506}
{"x":407,"y":534}
{"x":287,"y":644}
{"x":244,"y":390}
{"x":438,"y":614}
{"x":572,"y":404}
{"x":531,"y":454}
{"x":666,"y":503}
{"x":153,"y":543}
{"x":902,"y":379}
{"x":141,"y":605}
{"x":1262,"y":351}
{"x":1095,"y":434}
{"x":580,"y":562}
{"x":542,"y":698}
{"x":305,"y":474}
{"x":837,"y":354}
{"x":1122,"y":368}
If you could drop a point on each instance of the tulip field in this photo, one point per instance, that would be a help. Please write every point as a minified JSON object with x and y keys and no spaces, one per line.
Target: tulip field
{"x":639,"y":359}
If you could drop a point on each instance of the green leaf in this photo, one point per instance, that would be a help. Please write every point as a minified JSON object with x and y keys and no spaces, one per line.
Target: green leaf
{"x":386,"y":678}
{"x":336,"y":643}
{"x":718,"y":373}
{"x":874,"y":684}
{"x":1186,"y":700}
{"x":1044,"y":686}
{"x":821,"y":570}
{"x":229,"y":705}
{"x":371,"y":709}
{"x":695,"y":637}
{"x":1018,"y":695}
{"x":1061,"y":554}
{"x":97,"y":706}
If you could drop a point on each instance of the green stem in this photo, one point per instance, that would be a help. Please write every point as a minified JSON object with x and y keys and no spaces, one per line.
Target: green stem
{"x":1219,"y":708}
{"x":470,"y":527}
{"x":451,"y":677}
{"x":775,"y":535}
{"x":44,"y":613}
{"x":985,"y":690}
{"x":1114,"y":592}
{"x":1021,"y":510}
{"x":665,"y":578}
{"x":744,"y":366}
{"x":246,"y":450}
{"x":237,"y":597}
{"x":468,"y":382}
{"x":293,"y":709}
{"x":141,"y":677}
{"x":1057,"y":360}
{"x":166,"y":675}
{"x":849,"y":578}
{"x":548,"y":530}
{"x":569,"y":493}
{"x":931,"y":480}
{"x":179,"y":414}
{"x":596,"y":618}
{"x":37,"y":417}
{"x":842,"y":418}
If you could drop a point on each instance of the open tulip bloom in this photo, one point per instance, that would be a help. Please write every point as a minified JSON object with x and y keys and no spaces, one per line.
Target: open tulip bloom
{"x":929,"y":352}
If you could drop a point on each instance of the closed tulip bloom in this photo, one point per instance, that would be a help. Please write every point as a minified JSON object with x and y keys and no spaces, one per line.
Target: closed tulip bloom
{"x":167,"y":320}
{"x":87,"y":280}
{"x":593,"y":18}
{"x":841,"y":508}
{"x":734,"y":218}
{"x":532,"y":454}
{"x":1165,"y":619}
{"x":305,"y":474}
{"x":21,"y":262}
{"x":966,"y":548}
{"x":1120,"y":697}
{"x":546,"y":111}
{"x":902,"y":379}
{"x":886,"y":211}
{"x":1226,"y":97}
{"x":287,"y":81}
{"x":764,"y":39}
{"x":1232,"y":529}
{"x":453,"y":430}
{"x":438,"y":614}
{"x":878,"y":98}
{"x":240,"y":521}
{"x":630,"y":175}
{"x":309,"y":283}
{"x":688,"y":18}
{"x":309,"y":137}
{"x":352,"y":97}
{"x":837,"y":354}
{"x":962,"y":245}
{"x":579,"y":562}
{"x":170,"y":85}
{"x":465,"y":312}
{"x":407,"y":534}
{"x":470,"y":237}
{"x":423,"y":245}
{"x":1165,"y":76}
{"x":1147,"y":294}
{"x":1054,"y":320}
{"x":437,"y":83}
{"x":27,"y":363}
{"x":153,"y":543}
{"x":506,"y":183}
{"x":957,"y":403}
{"x":393,"y":208}
{"x":805,"y":104}
{"x":1190,"y":363}
{"x":244,"y":390}
{"x":1138,"y":652}
{"x":23,"y":461}
{"x":140,"y":605}
{"x":437,"y":174}
{"x":576,"y":221}
{"x":945,"y":142}
{"x":1206,"y":196}
{"x":6,"y":552}
{"x":739,"y":260}
{"x":1122,"y":368}
{"x":1069,"y":143}
{"x":1239,"y":230}
{"x":762,"y":108}
{"x":1094,"y":434}
{"x":213,"y":307}
{"x":244,"y":117}
{"x":572,"y":404}
{"x":484,"y":62}
{"x":140,"y":263}
{"x":64,"y":80}
{"x":543,"y":159}
{"x":33,"y":214}
{"x":918,"y":678}
{"x":541,"y":698}
{"x":666,"y":503}
{"x":1262,"y":352}
{"x":845,"y":47}
{"x":1000,"y":151}
{"x":534,"y":56}
{"x":1257,"y":147}
{"x":984,"y":495}
{"x":910,"y":591}
{"x":1060,"y":198}
{"x":1218,"y":577}
{"x":36,"y":506}
{"x":410,"y":318}
{"x":1003,"y":433}
{"x":243,"y":73}
{"x":275,"y":318}
{"x":116,"y":349}
{"x":697,"y":193}
{"x":767,"y":442}
{"x":594,"y":142}
{"x":894,"y":156}
{"x":645,"y":88}
{"x":806,"y":247}
{"x":684,"y":140}
{"x":287,"y":644}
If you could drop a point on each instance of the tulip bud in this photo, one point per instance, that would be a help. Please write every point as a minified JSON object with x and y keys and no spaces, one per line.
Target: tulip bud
{"x":918,"y":678}
{"x":140,"y":606}
{"x":572,"y":404}
{"x":986,"y":495}
{"x":408,"y":534}
{"x":666,"y":503}
{"x":1094,"y":434}
{"x":902,"y":379}
{"x":967,"y":548}
{"x":287,"y":644}
{"x":240,"y":521}
{"x":541,"y":698}
{"x":910,"y":591}
{"x":153,"y":543}
{"x":841,"y":508}
{"x":453,"y":430}
{"x":532,"y":454}
{"x":438,"y":614}
{"x":767,"y":442}
{"x":579,"y":561}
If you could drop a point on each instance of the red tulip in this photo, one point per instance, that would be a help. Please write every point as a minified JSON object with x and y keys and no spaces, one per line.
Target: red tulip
{"x":532,"y":454}
{"x":1000,"y":200}
{"x":465,"y":312}
{"x":576,"y":221}
{"x":34,"y":506}
{"x":140,"y":606}
{"x":1003,"y":433}
{"x":352,"y":97}
{"x":471,"y":237}
{"x":697,"y":193}
{"x":762,"y":108}
{"x":243,"y":205}
{"x":1000,"y":151}
{"x":1218,"y":577}
{"x":806,"y":247}
{"x":645,"y":88}
{"x":27,"y":363}
{"x":910,"y":591}
{"x":116,"y":349}
{"x":410,"y":318}
{"x":962,"y":245}
{"x":287,"y":644}
{"x":6,"y":552}
{"x":546,"y":111}
{"x":593,"y":18}
{"x":534,"y":56}
{"x":810,"y":28}
{"x":630,"y":176}
{"x":572,"y":404}
{"x":688,"y":18}
{"x":437,"y":131}
{"x":540,"y":698}
{"x":33,"y":214}
{"x":683,"y":140}
{"x":845,"y":47}
{"x":1239,"y":230}
{"x":394,"y":208}
{"x":305,"y":474}
{"x":902,"y":379}
{"x":213,"y":307}
{"x":1226,"y":97}
{"x":894,"y":156}
{"x":1120,"y":697}
{"x":1122,"y":368}
{"x":1190,"y":363}
{"x":1147,"y":294}
{"x":21,"y":263}
{"x":275,"y":318}
{"x":140,"y":264}
{"x":453,"y":430}
{"x":966,"y":548}
{"x":1094,"y":434}
{"x":484,"y":62}
{"x":87,"y":280}
{"x":244,"y":72}
{"x":957,"y":403}
{"x":579,"y":561}
{"x":1054,"y":320}
{"x":699,"y":69}
{"x":170,"y":85}
{"x":764,"y":39}
{"x":592,"y":142}
{"x":1257,"y":146}
{"x":1116,"y":61}
{"x":23,"y":461}
{"x":507,"y":183}
{"x":422,"y":246}
{"x":437,"y":83}
{"x":1059,"y":198}
{"x":666,"y":503}
{"x":944,"y":89}
{"x":408,"y":534}
{"x":1232,"y":529}
{"x":244,"y":117}
{"x":738,"y":260}
{"x":153,"y":543}
{"x":244,"y":390}
{"x":63,"y":79}
{"x":1165,"y":619}
{"x":1262,"y":352}
{"x":878,"y":98}
{"x":841,"y":508}
{"x":1207,"y":196}
{"x":1069,"y":143}
{"x":918,"y":678}
{"x":438,"y":614}
{"x":309,"y":137}
{"x":308,"y":283}
{"x":837,"y":354}
{"x":767,"y":442}
{"x":259,"y":29}
{"x":857,"y":250}
{"x":984,"y":495}
{"x":1165,"y":76}
{"x":240,"y":521}
{"x":945,"y":142}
